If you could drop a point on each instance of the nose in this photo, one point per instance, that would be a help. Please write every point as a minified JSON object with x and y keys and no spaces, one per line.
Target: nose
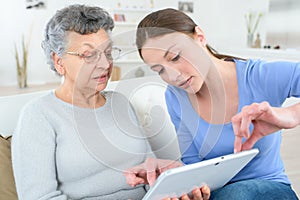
{"x":173,"y":74}
{"x":104,"y":62}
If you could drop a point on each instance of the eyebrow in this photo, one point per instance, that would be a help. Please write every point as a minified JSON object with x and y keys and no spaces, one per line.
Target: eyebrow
{"x":167,"y":52}
{"x":110,"y":43}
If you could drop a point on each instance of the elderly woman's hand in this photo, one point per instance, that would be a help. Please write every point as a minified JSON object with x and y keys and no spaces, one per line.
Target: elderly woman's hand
{"x":147,"y":172}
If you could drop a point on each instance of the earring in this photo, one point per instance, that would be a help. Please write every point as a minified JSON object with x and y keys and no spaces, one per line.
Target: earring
{"x":60,"y":70}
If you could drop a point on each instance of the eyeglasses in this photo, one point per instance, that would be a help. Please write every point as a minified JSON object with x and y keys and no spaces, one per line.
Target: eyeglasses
{"x":95,"y":55}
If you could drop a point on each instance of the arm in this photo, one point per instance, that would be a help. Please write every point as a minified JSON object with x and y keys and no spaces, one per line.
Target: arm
{"x":276,"y":81}
{"x":266,"y":120}
{"x":33,"y":157}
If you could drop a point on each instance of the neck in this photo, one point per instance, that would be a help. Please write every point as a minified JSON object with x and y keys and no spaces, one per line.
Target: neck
{"x":217,"y":80}
{"x":217,"y":89}
{"x":80,"y":98}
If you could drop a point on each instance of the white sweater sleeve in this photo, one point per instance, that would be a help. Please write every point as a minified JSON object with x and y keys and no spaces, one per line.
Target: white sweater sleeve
{"x":33,"y":157}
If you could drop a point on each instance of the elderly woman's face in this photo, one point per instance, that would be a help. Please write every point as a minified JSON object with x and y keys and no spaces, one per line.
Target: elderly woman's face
{"x":87,"y":60}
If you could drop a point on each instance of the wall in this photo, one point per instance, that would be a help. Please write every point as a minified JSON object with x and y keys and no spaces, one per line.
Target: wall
{"x":283,"y":24}
{"x":15,"y":21}
{"x":222,"y":21}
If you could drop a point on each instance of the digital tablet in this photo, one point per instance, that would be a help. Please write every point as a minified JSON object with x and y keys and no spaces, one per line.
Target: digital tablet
{"x":215,"y":173}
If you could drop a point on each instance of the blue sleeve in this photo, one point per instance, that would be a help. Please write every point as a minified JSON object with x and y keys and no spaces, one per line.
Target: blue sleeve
{"x":276,"y":80}
{"x":185,"y":138}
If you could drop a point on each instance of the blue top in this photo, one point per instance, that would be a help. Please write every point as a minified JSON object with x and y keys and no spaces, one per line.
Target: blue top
{"x":257,"y":81}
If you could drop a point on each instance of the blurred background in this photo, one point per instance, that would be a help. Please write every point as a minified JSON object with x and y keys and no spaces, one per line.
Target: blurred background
{"x":274,"y":27}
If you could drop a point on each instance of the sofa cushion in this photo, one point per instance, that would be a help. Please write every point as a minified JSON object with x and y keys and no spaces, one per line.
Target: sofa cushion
{"x":7,"y":182}
{"x":149,"y":103}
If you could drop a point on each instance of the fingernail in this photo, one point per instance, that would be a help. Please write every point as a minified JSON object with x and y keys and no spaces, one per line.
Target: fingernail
{"x":234,"y":150}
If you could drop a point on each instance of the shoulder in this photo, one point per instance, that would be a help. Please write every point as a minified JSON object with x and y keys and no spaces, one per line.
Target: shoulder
{"x":174,"y":94}
{"x":115,"y":98}
{"x":257,"y":64}
{"x":39,"y":103}
{"x":34,"y":115}
{"x":174,"y":91}
{"x":261,"y":69}
{"x":249,"y":63}
{"x":176,"y":99}
{"x":111,"y":94}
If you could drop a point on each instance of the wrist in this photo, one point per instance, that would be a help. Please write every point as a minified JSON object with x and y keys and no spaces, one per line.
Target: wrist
{"x":295,"y":114}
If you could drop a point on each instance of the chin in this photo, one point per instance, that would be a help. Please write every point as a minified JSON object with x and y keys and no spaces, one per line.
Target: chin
{"x":192,"y":90}
{"x":101,"y":86}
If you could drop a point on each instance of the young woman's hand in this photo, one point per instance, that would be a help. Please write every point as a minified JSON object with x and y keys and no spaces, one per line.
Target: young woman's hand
{"x":266,"y":120}
{"x":202,"y":193}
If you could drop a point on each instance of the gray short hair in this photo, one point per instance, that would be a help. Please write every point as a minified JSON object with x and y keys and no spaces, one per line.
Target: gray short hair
{"x":81,"y":19}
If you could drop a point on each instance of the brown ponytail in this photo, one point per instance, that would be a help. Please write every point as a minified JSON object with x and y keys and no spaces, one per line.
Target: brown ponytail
{"x":168,"y":21}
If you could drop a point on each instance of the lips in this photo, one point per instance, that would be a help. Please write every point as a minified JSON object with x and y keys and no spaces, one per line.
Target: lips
{"x":185,"y":83}
{"x":102,"y":78}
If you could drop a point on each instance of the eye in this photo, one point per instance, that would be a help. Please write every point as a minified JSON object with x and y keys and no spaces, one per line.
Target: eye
{"x":161,"y":71}
{"x":90,"y":56}
{"x":158,"y":68}
{"x":177,"y":56}
{"x":109,"y":55}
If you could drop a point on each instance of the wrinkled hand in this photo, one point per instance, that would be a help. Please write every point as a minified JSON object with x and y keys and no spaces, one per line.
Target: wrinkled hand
{"x":266,"y":120}
{"x":147,"y":172}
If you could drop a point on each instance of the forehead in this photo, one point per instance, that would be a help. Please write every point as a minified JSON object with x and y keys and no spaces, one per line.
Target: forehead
{"x":159,"y":45}
{"x":94,"y":40}
{"x":162,"y":42}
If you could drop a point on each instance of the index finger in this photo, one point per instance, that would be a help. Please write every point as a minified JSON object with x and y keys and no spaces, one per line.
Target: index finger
{"x":151,"y":167}
{"x":238,"y":138}
{"x":132,"y":175}
{"x":237,"y":144}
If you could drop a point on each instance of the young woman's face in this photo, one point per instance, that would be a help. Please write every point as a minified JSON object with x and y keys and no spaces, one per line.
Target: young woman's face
{"x":180,"y":60}
{"x":91,"y":68}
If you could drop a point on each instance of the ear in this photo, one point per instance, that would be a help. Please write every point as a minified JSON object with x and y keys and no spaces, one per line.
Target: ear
{"x":58,"y":64}
{"x":199,"y":36}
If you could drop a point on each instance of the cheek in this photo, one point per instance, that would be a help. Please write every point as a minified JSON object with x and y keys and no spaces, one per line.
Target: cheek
{"x":111,"y":67}
{"x":72,"y":72}
{"x":165,"y":77}
{"x":83,"y":73}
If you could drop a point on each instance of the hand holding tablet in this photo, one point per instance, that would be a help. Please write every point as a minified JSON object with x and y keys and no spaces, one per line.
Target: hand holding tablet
{"x":182,"y":180}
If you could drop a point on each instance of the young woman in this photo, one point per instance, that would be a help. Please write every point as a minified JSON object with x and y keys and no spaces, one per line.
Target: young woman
{"x":217,"y":101}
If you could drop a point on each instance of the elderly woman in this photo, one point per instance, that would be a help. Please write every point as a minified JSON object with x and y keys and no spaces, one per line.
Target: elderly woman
{"x":71,"y":144}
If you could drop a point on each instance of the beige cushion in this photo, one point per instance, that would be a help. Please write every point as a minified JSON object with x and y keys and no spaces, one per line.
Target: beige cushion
{"x":148,"y":101}
{"x":7,"y":182}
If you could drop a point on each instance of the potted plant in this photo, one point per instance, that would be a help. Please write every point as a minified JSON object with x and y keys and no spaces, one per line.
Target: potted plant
{"x":21,"y":62}
{"x":252,"y":22}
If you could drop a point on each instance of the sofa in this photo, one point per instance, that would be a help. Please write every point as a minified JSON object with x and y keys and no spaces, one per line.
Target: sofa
{"x":146,"y":94}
